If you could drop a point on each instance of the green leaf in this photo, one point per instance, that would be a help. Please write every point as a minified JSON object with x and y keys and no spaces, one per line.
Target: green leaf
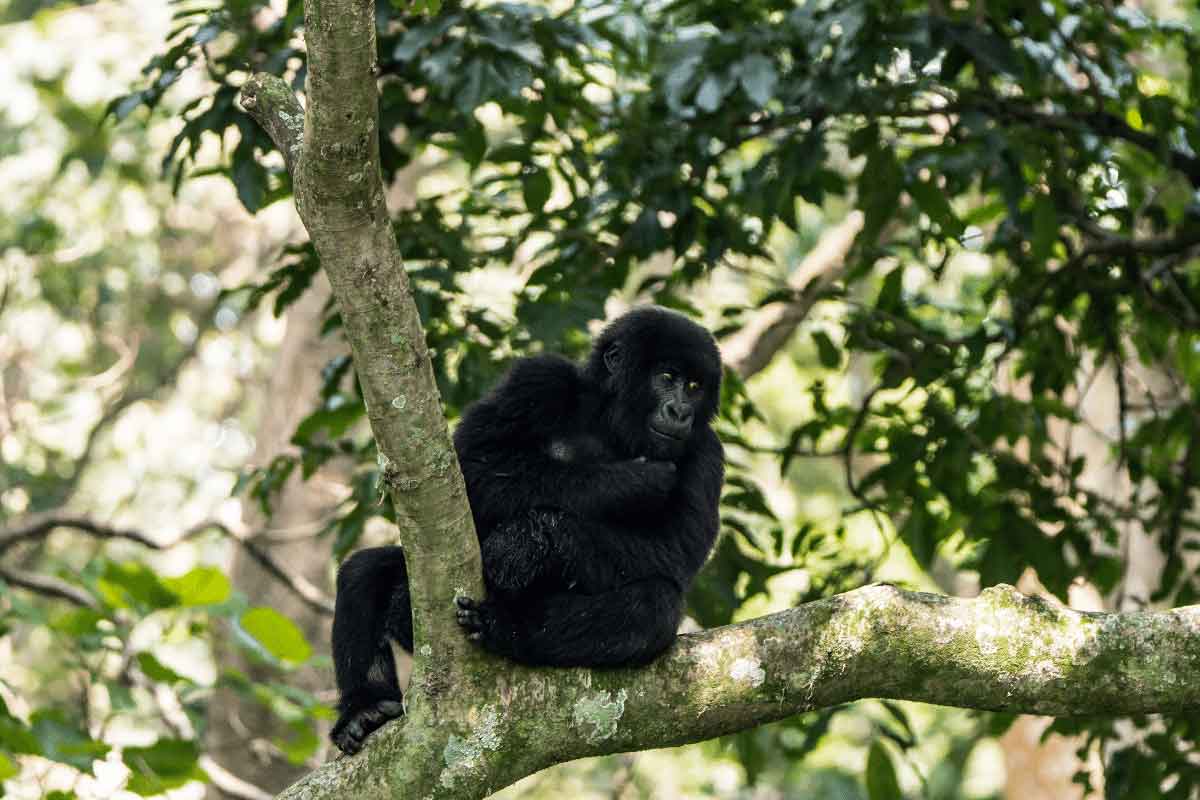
{"x":1045,"y":227}
{"x":430,"y":7}
{"x":77,"y":623}
{"x":932,"y":200}
{"x":64,"y":741}
{"x":156,"y":670}
{"x":7,"y":768}
{"x":334,"y":417}
{"x":166,"y":764}
{"x":122,"y":107}
{"x":536,"y":187}
{"x":879,"y":188}
{"x":827,"y":351}
{"x":302,"y":741}
{"x":131,"y":584}
{"x":418,"y":38}
{"x":249,"y":177}
{"x":473,"y":88}
{"x":758,"y":77}
{"x":679,"y":80}
{"x":881,"y":775}
{"x":278,"y":635}
{"x":201,"y":586}
{"x":889,"y":293}
{"x":918,"y":533}
{"x":712,"y":91}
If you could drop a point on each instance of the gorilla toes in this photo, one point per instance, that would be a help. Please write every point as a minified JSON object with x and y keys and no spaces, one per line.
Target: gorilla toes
{"x":356,"y":724}
{"x":488,"y":625}
{"x":474,"y":618}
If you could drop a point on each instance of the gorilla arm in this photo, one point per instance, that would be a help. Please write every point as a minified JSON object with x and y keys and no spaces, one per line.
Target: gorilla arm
{"x":504,"y":444}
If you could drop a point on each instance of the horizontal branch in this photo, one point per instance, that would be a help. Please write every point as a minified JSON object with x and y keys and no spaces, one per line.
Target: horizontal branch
{"x":1001,"y":651}
{"x":41,"y":525}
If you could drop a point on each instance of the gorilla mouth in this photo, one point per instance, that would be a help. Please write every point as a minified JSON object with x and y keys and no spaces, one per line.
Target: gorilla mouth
{"x":674,"y":437}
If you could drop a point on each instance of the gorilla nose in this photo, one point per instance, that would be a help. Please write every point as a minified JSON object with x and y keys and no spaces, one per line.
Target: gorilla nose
{"x":678,"y":413}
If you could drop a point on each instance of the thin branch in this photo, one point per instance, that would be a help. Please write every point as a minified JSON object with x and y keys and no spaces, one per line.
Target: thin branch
{"x":41,"y":525}
{"x":300,"y":586}
{"x":111,"y":414}
{"x":47,"y":586}
{"x":229,"y":784}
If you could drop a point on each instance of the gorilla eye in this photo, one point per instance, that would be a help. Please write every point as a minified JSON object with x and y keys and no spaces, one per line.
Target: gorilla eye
{"x":667,"y":375}
{"x":693,"y":387}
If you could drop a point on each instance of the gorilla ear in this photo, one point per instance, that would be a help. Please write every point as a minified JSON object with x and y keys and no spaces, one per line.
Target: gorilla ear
{"x":613,"y":357}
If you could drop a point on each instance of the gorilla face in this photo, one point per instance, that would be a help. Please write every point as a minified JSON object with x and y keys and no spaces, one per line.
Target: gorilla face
{"x":662,"y":373}
{"x":676,"y":397}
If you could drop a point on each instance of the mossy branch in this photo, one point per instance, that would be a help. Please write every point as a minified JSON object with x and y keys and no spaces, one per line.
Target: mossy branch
{"x":1001,"y":651}
{"x":273,"y":105}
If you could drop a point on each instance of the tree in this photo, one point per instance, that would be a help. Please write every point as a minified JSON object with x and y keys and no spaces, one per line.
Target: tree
{"x":1011,"y":191}
{"x":1000,"y":651}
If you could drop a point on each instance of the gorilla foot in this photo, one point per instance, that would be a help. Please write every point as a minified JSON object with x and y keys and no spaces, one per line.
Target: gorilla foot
{"x":487,"y":625}
{"x":358,"y":721}
{"x":474,"y":618}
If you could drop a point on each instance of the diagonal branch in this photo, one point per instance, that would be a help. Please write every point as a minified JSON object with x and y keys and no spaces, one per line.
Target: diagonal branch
{"x":751,"y":348}
{"x":333,"y":158}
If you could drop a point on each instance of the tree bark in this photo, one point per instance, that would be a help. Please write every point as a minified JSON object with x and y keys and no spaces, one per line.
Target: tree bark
{"x":1001,"y":651}
{"x":475,"y":724}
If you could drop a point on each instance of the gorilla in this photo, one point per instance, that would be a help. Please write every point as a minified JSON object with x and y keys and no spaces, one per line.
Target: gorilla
{"x":594,"y":489}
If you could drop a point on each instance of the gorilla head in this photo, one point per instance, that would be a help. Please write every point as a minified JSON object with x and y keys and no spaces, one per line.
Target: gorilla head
{"x":662,"y":373}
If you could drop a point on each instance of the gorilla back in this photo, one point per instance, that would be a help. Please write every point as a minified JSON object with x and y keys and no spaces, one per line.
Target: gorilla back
{"x":594,"y":490}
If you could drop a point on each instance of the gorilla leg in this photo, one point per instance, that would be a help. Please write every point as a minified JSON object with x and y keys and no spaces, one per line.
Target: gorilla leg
{"x":372,"y":608}
{"x":516,"y":554}
{"x":623,"y":627}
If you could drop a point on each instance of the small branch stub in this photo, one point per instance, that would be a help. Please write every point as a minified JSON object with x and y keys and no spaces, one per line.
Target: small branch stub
{"x":273,"y":105}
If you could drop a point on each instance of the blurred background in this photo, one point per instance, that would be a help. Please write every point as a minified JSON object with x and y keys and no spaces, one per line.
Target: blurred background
{"x":949,"y":250}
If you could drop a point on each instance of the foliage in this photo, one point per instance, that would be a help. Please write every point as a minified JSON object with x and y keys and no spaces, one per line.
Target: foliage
{"x":1031,"y":192}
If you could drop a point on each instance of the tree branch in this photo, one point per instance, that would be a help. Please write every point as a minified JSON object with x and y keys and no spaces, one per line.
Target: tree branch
{"x":40,"y":525}
{"x":1001,"y":651}
{"x":48,"y":586}
{"x":273,"y":105}
{"x":750,"y":349}
{"x":334,"y":162}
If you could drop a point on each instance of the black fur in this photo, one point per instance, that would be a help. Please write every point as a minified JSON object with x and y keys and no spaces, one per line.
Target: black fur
{"x":594,"y":490}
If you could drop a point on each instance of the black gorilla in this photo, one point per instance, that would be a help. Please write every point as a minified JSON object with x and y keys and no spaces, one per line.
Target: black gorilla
{"x":594,"y":490}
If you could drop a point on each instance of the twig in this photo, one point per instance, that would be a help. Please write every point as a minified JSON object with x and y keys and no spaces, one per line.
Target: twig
{"x":111,"y":414}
